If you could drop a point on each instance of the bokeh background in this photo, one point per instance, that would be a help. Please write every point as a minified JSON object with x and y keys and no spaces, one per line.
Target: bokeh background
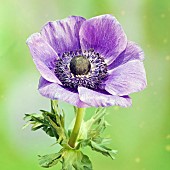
{"x":140,"y":133}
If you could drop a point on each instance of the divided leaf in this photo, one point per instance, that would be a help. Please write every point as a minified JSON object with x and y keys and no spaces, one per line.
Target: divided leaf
{"x":48,"y":161}
{"x":91,"y":134}
{"x":103,"y":149}
{"x":94,"y":130}
{"x":50,"y":122}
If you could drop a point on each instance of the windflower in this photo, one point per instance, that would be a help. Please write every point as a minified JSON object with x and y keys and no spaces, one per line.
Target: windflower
{"x":87,"y":63}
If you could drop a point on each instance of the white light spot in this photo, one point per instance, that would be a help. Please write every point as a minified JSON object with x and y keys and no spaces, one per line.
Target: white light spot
{"x":168,"y":136}
{"x":162,"y":15}
{"x":167,"y":148}
{"x":167,"y":58}
{"x":165,"y":40}
{"x":144,"y":17}
{"x":137,"y":160}
{"x":123,"y":12}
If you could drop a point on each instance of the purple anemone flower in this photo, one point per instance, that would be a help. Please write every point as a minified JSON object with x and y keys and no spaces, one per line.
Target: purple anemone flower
{"x":87,"y":63}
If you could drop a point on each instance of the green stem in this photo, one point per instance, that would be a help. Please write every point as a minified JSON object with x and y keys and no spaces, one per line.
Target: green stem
{"x":76,"y":129}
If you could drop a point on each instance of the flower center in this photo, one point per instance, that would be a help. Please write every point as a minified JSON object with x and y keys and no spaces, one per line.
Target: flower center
{"x":80,"y":65}
{"x":81,"y":68}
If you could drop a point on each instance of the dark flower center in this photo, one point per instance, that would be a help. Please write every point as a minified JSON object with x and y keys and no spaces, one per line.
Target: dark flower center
{"x":80,"y":65}
{"x":81,"y":68}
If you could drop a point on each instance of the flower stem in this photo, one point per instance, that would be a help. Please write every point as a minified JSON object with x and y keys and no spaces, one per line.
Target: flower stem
{"x":77,"y":125}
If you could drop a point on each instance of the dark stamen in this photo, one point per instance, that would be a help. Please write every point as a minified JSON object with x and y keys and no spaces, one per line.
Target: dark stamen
{"x":80,"y":65}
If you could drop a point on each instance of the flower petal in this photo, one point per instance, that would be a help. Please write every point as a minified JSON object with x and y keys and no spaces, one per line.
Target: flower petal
{"x":56,"y":92}
{"x":43,"y":56}
{"x":127,"y":78}
{"x":105,"y":35}
{"x":99,"y":99}
{"x":63,"y":35}
{"x":132,"y":52}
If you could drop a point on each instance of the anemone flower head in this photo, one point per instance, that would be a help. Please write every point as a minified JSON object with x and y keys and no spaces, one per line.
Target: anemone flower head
{"x":87,"y":63}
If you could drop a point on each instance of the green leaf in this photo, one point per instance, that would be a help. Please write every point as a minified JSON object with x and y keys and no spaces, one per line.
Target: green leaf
{"x":50,"y":122}
{"x":47,"y":161}
{"x":91,"y":134}
{"x":75,"y":159}
{"x":97,"y":122}
{"x":103,"y":149}
{"x":93,"y":131}
{"x":33,"y":117}
{"x":54,"y":106}
{"x":37,"y":126}
{"x":59,"y":129}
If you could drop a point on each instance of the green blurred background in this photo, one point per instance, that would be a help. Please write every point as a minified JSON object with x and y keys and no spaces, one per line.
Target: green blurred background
{"x":141,"y":133}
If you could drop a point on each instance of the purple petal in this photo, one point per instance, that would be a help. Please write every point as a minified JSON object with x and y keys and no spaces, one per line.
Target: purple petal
{"x":43,"y":56}
{"x":56,"y":92}
{"x":105,"y":35}
{"x":63,"y":35}
{"x":132,"y":52}
{"x":98,"y":99}
{"x":127,"y":78}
